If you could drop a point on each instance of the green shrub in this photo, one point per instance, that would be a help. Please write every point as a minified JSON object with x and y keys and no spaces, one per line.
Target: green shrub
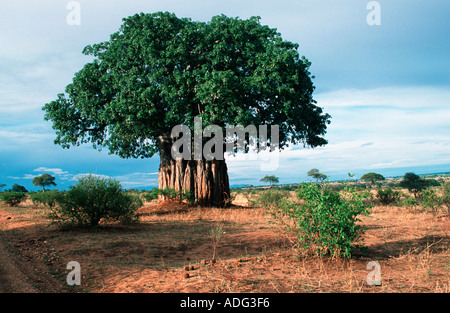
{"x":18,"y":188}
{"x":327,"y":221}
{"x":269,"y":199}
{"x":446,"y":195}
{"x":94,"y":199}
{"x":430,"y":200}
{"x":409,"y":203}
{"x":47,"y":198}
{"x":13,"y":198}
{"x":388,"y":196}
{"x":152,"y":195}
{"x":169,"y":193}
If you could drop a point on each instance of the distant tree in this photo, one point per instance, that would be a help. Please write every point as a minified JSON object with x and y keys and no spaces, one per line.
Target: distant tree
{"x":271,"y":179}
{"x":44,"y":180}
{"x":1,"y":186}
{"x":372,"y":178}
{"x":18,"y":188}
{"x":314,"y":173}
{"x":414,"y":183}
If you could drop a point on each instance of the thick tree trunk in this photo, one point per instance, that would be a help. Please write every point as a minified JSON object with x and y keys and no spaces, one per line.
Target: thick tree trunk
{"x":206,"y":181}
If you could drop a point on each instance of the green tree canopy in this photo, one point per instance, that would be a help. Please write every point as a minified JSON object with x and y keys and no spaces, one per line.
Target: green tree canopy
{"x":314,"y":173}
{"x":44,"y":180}
{"x":414,"y":183}
{"x":372,"y":177}
{"x":270,"y":179}
{"x":18,"y":188}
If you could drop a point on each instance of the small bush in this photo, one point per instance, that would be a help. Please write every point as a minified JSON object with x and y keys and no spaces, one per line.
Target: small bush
{"x":430,"y":200}
{"x":410,"y":203}
{"x":13,"y":198}
{"x":388,"y":196}
{"x":47,"y":199}
{"x":152,"y":195}
{"x":169,"y":193}
{"x":446,"y":195}
{"x":269,"y":199}
{"x":328,"y":221}
{"x":94,"y":199}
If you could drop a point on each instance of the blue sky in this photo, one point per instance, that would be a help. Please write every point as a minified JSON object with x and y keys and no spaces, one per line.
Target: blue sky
{"x":386,"y":86}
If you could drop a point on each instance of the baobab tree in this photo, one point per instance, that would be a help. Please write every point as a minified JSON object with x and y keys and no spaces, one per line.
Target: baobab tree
{"x":160,"y":71}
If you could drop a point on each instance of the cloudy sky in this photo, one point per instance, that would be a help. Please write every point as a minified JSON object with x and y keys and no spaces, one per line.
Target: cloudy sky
{"x":386,"y":86}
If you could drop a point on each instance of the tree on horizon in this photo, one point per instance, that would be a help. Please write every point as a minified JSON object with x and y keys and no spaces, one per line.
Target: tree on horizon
{"x":270,"y":179}
{"x":372,"y":178}
{"x":314,"y":173}
{"x":44,"y":180}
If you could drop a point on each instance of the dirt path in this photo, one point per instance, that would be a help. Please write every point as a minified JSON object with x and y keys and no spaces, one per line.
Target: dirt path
{"x":11,"y":279}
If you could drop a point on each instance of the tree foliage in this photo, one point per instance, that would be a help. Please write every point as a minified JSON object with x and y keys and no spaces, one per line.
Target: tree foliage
{"x":270,"y":179}
{"x":372,"y":177}
{"x":13,"y":198}
{"x":159,"y":71}
{"x":18,"y":188}
{"x":314,"y":173}
{"x":44,"y":180}
{"x":414,"y":183}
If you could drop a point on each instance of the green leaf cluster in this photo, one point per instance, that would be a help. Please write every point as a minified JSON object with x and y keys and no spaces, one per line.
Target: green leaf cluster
{"x":44,"y":180}
{"x":48,"y":199}
{"x":328,"y":221}
{"x":388,"y":196}
{"x":13,"y":198}
{"x":159,"y":71}
{"x":93,"y":199}
{"x":414,"y":183}
{"x":169,"y":193}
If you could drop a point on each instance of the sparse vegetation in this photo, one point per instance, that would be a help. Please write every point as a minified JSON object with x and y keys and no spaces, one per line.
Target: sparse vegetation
{"x":269,"y":198}
{"x":48,"y":199}
{"x":94,"y":199}
{"x":176,"y":243}
{"x":13,"y":198}
{"x":388,"y":196}
{"x":430,"y":200}
{"x":216,"y":234}
{"x":169,"y":193}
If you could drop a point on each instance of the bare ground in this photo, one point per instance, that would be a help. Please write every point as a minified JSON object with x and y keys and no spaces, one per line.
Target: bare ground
{"x":170,"y":250}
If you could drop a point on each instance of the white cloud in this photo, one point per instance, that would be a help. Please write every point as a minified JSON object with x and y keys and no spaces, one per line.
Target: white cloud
{"x":136,"y":180}
{"x":54,"y":171}
{"x":29,"y":176}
